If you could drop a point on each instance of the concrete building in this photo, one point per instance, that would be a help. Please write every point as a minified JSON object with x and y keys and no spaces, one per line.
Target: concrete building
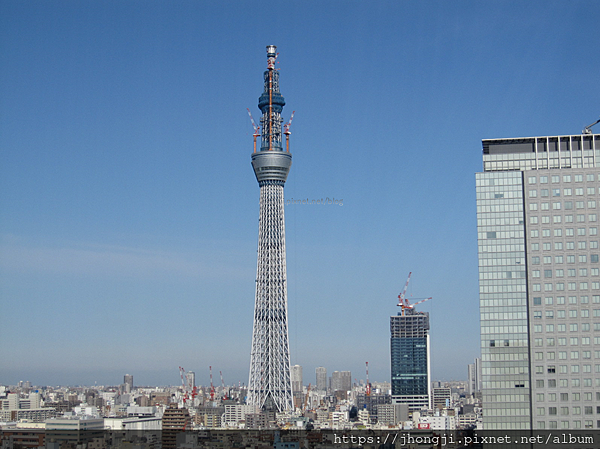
{"x":474,"y":376}
{"x":341,"y":381}
{"x":175,"y":420}
{"x":296,"y":378}
{"x":128,"y":383}
{"x":539,"y":281}
{"x":321,"y":378}
{"x":441,"y":397}
{"x":410,"y":359}
{"x":235,"y":415}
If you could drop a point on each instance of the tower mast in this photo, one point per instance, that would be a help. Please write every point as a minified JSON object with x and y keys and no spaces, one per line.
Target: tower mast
{"x":270,"y":386}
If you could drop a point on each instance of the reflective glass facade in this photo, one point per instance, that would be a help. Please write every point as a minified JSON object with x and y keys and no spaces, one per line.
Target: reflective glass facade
{"x":539,"y":280}
{"x":410,"y":360}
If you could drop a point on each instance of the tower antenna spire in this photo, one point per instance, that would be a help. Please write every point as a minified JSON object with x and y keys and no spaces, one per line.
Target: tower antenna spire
{"x":270,"y":386}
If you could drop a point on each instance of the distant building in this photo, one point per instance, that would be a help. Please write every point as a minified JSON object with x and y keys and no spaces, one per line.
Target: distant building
{"x":128,"y":383}
{"x":190,"y":377}
{"x":296,"y":378}
{"x":321,"y":374}
{"x":442,"y":397}
{"x":372,"y":403}
{"x":341,"y":381}
{"x":410,"y":359}
{"x":474,"y":377}
{"x":74,"y":430}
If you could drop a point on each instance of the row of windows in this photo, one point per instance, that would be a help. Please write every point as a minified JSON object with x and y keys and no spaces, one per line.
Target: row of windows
{"x":575,"y":397}
{"x":571,"y":272}
{"x":559,"y":246}
{"x":590,"y":177}
{"x":579,"y":191}
{"x":573,"y":327}
{"x":557,"y":205}
{"x":584,"y":313}
{"x":564,"y":411}
{"x":564,"y":369}
{"x":547,"y":246}
{"x":564,"y":383}
{"x":557,"y":232}
{"x":556,"y":219}
{"x":562,"y":355}
{"x":576,"y":424}
{"x":549,"y":300}
{"x":562,"y":341}
{"x":560,"y":286}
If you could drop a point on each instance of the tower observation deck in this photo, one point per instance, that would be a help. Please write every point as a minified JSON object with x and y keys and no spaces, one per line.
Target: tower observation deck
{"x":269,"y":386}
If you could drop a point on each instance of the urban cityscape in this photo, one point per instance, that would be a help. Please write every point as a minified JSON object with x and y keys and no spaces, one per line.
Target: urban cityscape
{"x":533,"y":367}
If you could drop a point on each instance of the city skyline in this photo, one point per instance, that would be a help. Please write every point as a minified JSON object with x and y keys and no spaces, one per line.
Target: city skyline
{"x":125,"y":244}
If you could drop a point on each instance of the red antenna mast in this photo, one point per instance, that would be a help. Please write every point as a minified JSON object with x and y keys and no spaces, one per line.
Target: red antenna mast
{"x":368,"y":383}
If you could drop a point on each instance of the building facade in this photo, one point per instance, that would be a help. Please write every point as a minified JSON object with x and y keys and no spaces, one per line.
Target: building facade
{"x":296,"y":373}
{"x":321,"y":378}
{"x":474,"y":376}
{"x":410,"y":359}
{"x":539,"y":281}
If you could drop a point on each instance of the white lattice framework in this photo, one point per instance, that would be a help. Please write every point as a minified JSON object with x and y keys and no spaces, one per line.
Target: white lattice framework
{"x":270,"y":384}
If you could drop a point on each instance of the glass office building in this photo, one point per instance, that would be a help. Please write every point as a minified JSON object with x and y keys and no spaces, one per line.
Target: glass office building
{"x":410,"y":359}
{"x":539,"y":282}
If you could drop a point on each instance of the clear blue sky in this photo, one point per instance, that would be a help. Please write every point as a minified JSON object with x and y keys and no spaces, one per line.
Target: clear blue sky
{"x":129,"y":209}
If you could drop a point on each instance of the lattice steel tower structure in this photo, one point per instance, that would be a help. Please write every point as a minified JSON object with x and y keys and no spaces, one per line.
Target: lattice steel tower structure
{"x":270,"y":386}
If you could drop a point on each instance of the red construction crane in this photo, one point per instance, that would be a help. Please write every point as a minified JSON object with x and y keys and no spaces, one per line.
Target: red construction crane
{"x":368,"y":383}
{"x":403,"y":302}
{"x":185,"y":389}
{"x":212,"y":388}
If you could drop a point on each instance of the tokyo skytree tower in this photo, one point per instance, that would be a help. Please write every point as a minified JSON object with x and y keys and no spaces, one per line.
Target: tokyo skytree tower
{"x":270,"y":386}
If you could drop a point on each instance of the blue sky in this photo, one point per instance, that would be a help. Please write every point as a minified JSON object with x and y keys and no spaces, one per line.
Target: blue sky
{"x":129,"y":209}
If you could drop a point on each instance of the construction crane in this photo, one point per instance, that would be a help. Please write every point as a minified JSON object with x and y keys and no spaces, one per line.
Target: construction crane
{"x":223,"y":386}
{"x":182,"y":374}
{"x":586,"y":130}
{"x":287,"y":132}
{"x":189,"y":391}
{"x":403,"y":302}
{"x":368,"y":383}
{"x":212,"y":388}
{"x":256,"y":128}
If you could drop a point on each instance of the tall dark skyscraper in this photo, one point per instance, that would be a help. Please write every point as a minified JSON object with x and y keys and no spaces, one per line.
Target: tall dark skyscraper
{"x":410,"y":360}
{"x":269,"y":386}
